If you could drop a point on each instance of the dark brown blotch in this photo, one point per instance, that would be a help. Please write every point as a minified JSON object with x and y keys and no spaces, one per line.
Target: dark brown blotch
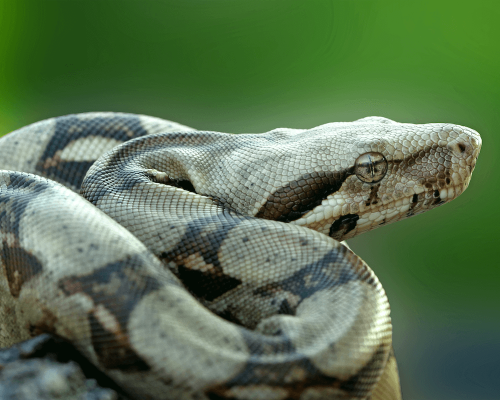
{"x":413,"y":204}
{"x":229,"y":315}
{"x":71,"y":128}
{"x":115,"y":289}
{"x":343,"y":225}
{"x":277,"y":375}
{"x":21,"y":266}
{"x":113,"y":349}
{"x":292,"y":201}
{"x":204,"y":246}
{"x":207,"y":285}
{"x":437,"y":201}
{"x":286,"y":308}
{"x":373,"y":199}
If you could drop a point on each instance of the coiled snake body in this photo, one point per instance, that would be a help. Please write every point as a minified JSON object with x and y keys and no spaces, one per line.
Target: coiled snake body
{"x":204,"y":265}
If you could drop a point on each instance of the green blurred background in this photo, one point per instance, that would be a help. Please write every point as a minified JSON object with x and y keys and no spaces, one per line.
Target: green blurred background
{"x":251,"y":66}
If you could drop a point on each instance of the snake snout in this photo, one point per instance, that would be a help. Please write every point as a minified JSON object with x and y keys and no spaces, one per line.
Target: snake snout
{"x":466,"y":145}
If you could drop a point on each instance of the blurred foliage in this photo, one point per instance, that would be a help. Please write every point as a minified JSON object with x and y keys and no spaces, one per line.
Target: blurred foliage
{"x":251,"y":66}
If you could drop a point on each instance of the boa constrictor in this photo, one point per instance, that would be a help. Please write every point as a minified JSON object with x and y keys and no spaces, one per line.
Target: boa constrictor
{"x":205,"y":265}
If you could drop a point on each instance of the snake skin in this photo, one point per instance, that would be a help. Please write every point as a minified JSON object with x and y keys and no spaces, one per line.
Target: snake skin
{"x":204,"y":265}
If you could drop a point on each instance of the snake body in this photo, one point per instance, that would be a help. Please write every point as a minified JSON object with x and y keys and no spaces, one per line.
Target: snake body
{"x":204,"y":265}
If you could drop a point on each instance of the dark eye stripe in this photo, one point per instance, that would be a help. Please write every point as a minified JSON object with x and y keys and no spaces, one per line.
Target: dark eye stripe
{"x":291,"y":202}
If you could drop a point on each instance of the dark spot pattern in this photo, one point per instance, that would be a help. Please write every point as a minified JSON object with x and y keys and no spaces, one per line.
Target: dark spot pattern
{"x":286,"y":308}
{"x":19,"y":263}
{"x":230,"y":316}
{"x":373,"y":199}
{"x":118,"y":287}
{"x":23,"y":189}
{"x":69,"y":129}
{"x":211,"y":283}
{"x":413,"y":204}
{"x":207,"y":285}
{"x":114,"y":350}
{"x":21,"y":267}
{"x":277,"y":374}
{"x":313,"y":278}
{"x":343,"y":226}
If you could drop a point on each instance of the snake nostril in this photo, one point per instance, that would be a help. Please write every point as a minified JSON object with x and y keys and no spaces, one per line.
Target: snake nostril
{"x":459,"y":148}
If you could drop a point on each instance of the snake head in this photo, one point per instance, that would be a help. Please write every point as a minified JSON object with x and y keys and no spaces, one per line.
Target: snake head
{"x":391,"y":171}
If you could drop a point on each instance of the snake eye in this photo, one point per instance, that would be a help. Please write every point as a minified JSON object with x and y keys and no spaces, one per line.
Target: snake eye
{"x":370,"y":167}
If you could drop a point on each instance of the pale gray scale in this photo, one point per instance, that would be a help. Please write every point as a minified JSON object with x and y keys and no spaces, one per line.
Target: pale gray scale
{"x":302,"y":316}
{"x":30,"y":142}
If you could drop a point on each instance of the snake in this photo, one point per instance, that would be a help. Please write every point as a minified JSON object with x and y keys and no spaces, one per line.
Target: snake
{"x":200,"y":265}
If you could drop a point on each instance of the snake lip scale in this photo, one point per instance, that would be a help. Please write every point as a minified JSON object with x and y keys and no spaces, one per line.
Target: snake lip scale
{"x":202,"y":265}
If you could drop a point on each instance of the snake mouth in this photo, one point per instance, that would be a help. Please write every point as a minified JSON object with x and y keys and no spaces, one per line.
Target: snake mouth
{"x":345,"y":223}
{"x":350,"y":225}
{"x":426,"y":200}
